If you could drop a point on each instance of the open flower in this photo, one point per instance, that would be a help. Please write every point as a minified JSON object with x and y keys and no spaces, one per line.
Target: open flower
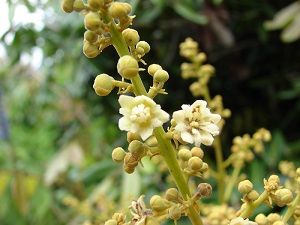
{"x":241,"y":221}
{"x":140,"y":114}
{"x":196,"y":124}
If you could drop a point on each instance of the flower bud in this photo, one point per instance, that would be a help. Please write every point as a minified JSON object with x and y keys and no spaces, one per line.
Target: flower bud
{"x":279,"y":223}
{"x":95,"y":5}
{"x":67,"y":5}
{"x":205,"y":189}
{"x":195,"y":163}
{"x":284,"y":196}
{"x":171,"y":194}
{"x":273,"y":217}
{"x":245,"y":186}
{"x":90,"y":50}
{"x":137,"y":149}
{"x":133,"y":136}
{"x":103,"y":84}
{"x":130,"y":161}
{"x":252,"y":195}
{"x":204,"y":167}
{"x":78,"y":5}
{"x":131,"y":36}
{"x":140,"y":51}
{"x":128,"y":169}
{"x":144,"y":45}
{"x":118,"y":154}
{"x":119,"y":217}
{"x":261,"y":219}
{"x":90,"y":36}
{"x":92,"y":21}
{"x":158,"y":204}
{"x":196,"y":151}
{"x":119,"y":10}
{"x":161,"y":76}
{"x":127,"y":67}
{"x":111,"y":222}
{"x":153,"y":68}
{"x":174,"y":212}
{"x":185,"y":154}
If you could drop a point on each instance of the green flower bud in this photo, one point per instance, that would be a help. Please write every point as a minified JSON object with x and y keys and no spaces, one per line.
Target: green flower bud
{"x":204,"y":167}
{"x":67,"y":5}
{"x":137,"y":149}
{"x":158,"y":204}
{"x":131,"y":36}
{"x":132,"y":136}
{"x":128,"y":169}
{"x":245,"y":186}
{"x":174,"y":212}
{"x":205,"y":189}
{"x":144,"y":45}
{"x":130,"y":161}
{"x":161,"y":76}
{"x":103,"y":84}
{"x":261,"y":219}
{"x":78,"y":5}
{"x":153,"y":68}
{"x":90,"y":36}
{"x":127,"y":67}
{"x":140,"y":51}
{"x":273,"y":217}
{"x":195,"y":163}
{"x":172,"y":194}
{"x":284,"y":196}
{"x":119,"y":10}
{"x":92,"y":21}
{"x":95,"y":5}
{"x":196,"y":151}
{"x":118,"y":154}
{"x":185,"y":154}
{"x":111,"y":222}
{"x":90,"y":50}
{"x":252,"y":195}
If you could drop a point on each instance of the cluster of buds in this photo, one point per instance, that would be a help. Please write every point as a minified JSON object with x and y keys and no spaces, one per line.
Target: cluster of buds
{"x":242,"y":146}
{"x":99,"y":17}
{"x":216,"y":106}
{"x":293,"y":174}
{"x":218,"y":214}
{"x":191,"y":161}
{"x":245,"y":187}
{"x":271,"y":219}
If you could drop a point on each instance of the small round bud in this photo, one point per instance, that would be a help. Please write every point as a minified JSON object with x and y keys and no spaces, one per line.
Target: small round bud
{"x":128,"y":169}
{"x":174,"y":212}
{"x":273,"y":217}
{"x":95,"y":5}
{"x":245,"y":186}
{"x":67,"y":5}
{"x":133,"y":136}
{"x":196,"y":151}
{"x":279,"y":223}
{"x":111,"y":222}
{"x":127,"y":67}
{"x":131,"y":36}
{"x":161,"y":76}
{"x":261,"y":219}
{"x":252,"y":195}
{"x":195,"y":163}
{"x":90,"y":50}
{"x":137,"y":149}
{"x":205,"y":189}
{"x":103,"y":84}
{"x":140,"y":51}
{"x":118,"y":154}
{"x":171,"y":194}
{"x":119,"y":10}
{"x":78,"y":5}
{"x":130,"y":161}
{"x":204,"y":167}
{"x":119,"y":217}
{"x":144,"y":45}
{"x":153,"y":68}
{"x":92,"y":21}
{"x":185,"y":154}
{"x":158,"y":204}
{"x":284,"y":196}
{"x":90,"y":36}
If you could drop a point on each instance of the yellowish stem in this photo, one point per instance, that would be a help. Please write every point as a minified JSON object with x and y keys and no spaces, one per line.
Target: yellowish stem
{"x":232,"y":182}
{"x":291,"y":208}
{"x":251,"y":207}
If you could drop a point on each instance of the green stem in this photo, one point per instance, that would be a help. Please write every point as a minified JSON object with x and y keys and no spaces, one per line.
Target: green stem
{"x":232,"y":181}
{"x":252,"y":206}
{"x":291,"y":209}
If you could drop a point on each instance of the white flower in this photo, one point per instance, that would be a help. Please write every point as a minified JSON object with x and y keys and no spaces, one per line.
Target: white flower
{"x":196,"y":124}
{"x":140,"y":114}
{"x":241,"y":221}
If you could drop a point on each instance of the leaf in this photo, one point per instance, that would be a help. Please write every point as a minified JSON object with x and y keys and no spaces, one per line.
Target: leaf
{"x":189,"y":14}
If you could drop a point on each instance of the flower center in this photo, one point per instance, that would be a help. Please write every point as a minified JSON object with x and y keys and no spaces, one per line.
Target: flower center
{"x":140,"y":113}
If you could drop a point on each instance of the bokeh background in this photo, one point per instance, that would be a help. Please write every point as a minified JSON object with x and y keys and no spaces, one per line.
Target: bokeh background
{"x":56,"y":134}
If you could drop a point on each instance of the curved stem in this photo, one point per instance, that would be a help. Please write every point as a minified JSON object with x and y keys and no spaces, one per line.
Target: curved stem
{"x":291,"y":209}
{"x":251,"y":207}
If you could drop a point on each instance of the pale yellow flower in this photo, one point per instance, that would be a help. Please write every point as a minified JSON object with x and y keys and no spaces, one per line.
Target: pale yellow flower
{"x":140,"y":114}
{"x":241,"y":221}
{"x":196,"y":124}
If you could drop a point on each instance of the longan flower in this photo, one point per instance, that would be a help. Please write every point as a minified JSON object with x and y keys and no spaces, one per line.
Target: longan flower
{"x":196,"y":124}
{"x":140,"y":114}
{"x":241,"y":221}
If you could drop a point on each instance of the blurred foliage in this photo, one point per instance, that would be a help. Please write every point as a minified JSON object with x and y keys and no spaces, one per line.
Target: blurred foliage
{"x":57,"y":135}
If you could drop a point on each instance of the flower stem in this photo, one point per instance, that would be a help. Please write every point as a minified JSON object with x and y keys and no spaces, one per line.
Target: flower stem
{"x":251,"y":207}
{"x":231,"y":183}
{"x":291,"y":208}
